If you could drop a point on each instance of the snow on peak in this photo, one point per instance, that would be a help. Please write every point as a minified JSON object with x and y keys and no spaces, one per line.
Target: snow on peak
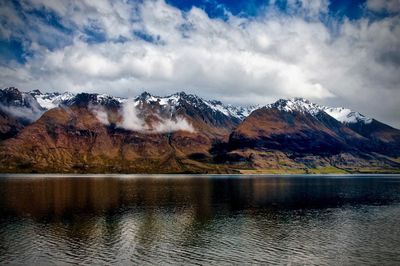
{"x":146,"y":97}
{"x":341,"y":114}
{"x":296,"y":104}
{"x":105,"y":98}
{"x":345,"y":115}
{"x":50,"y":100}
{"x":241,"y":112}
{"x":20,"y":104}
{"x":178,"y":99}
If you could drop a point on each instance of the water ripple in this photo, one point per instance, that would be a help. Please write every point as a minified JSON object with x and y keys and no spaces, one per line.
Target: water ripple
{"x":200,"y":222}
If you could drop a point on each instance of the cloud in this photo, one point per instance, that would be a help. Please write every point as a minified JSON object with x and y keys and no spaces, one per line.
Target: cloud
{"x":100,"y":114}
{"x":154,"y":46}
{"x":170,"y":125}
{"x":390,"y":6}
{"x":310,"y":8}
{"x":111,"y":17}
{"x":31,"y":112}
{"x":22,"y":112}
{"x":132,"y":120}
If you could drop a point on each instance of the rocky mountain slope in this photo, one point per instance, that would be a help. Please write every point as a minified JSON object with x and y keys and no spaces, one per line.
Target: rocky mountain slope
{"x":296,"y":134}
{"x":63,"y":132}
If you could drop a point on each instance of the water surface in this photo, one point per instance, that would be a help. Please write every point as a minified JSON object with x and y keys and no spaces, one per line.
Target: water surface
{"x":313,"y":220}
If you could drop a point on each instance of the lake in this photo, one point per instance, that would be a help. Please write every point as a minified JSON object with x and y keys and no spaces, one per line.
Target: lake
{"x":220,"y":220}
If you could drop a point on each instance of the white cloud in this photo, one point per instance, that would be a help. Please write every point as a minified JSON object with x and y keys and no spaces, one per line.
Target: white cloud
{"x":100,"y":114}
{"x":132,"y":120}
{"x":311,"y":8}
{"x":390,"y":6}
{"x":240,"y":60}
{"x":31,"y":112}
{"x":169,"y":125}
{"x":111,"y":17}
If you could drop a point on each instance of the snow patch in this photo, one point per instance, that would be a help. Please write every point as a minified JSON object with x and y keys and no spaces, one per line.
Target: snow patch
{"x":345,"y":115}
{"x":341,"y":114}
{"x":52,"y":100}
{"x":174,"y":100}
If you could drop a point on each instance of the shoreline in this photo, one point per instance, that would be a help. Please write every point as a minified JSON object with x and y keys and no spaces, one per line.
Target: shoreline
{"x":128,"y":176}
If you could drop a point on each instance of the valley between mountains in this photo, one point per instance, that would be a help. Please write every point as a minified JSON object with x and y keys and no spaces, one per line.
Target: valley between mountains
{"x":183,"y":133}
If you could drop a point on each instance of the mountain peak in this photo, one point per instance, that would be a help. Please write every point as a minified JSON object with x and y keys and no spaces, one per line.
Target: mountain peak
{"x":145,"y":95}
{"x":296,"y":104}
{"x":299,"y":99}
{"x":302,"y":105}
{"x":345,"y":115}
{"x":35,"y":92}
{"x":182,"y":94}
{"x":85,"y":99}
{"x":13,"y":96}
{"x":216,"y":102}
{"x":11,"y":90}
{"x":185,"y":96}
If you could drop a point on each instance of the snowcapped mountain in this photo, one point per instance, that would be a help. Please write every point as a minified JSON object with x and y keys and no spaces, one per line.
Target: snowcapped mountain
{"x":240,"y":111}
{"x":172,"y":102}
{"x":345,"y":115}
{"x":17,"y":109}
{"x":296,"y":104}
{"x":50,"y":100}
{"x":54,"y":99}
{"x":85,"y":99}
{"x":184,"y":133}
{"x":13,"y":97}
{"x":20,"y":105}
{"x":341,"y":114}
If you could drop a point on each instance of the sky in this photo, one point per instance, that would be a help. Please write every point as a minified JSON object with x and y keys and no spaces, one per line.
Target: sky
{"x":337,"y":53}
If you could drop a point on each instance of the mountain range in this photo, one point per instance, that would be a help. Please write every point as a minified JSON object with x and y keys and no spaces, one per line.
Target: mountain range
{"x":183,"y":133}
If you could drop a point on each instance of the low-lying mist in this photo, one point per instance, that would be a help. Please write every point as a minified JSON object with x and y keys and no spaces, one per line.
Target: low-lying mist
{"x":132,"y":120}
{"x":30,"y":114}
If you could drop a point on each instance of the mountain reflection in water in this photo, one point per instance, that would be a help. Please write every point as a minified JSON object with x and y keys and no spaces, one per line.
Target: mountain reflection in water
{"x":202,"y":220}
